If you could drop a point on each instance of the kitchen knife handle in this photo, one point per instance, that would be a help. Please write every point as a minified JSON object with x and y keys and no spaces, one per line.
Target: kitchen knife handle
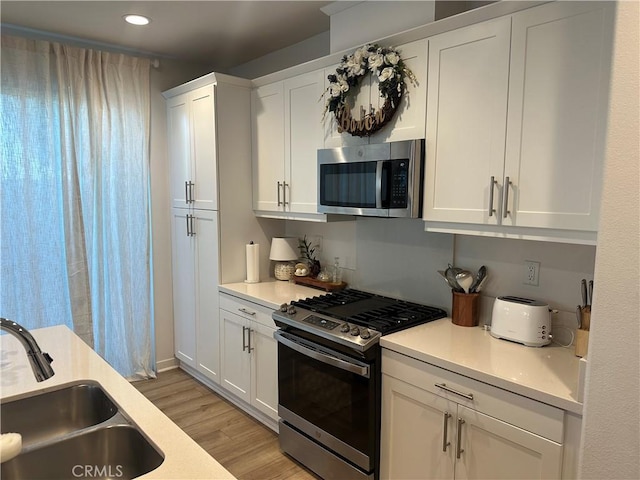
{"x":445,"y":427}
{"x":583,"y":288}
{"x":491,"y":188}
{"x":279,"y":201}
{"x":507,"y":184}
{"x":590,"y":292}
{"x":443,"y":386}
{"x":459,"y":450}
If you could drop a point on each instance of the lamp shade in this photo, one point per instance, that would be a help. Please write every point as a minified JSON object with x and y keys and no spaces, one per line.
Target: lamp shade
{"x":284,"y":249}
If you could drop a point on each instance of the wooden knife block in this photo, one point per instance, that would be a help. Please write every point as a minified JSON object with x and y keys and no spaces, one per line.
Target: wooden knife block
{"x":582,"y":334}
{"x":465,"y":309}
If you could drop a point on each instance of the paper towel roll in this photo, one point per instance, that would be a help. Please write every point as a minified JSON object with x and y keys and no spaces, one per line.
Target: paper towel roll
{"x":253,"y":263}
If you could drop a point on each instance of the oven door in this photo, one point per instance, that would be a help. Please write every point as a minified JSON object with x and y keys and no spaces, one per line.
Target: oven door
{"x":329,"y":397}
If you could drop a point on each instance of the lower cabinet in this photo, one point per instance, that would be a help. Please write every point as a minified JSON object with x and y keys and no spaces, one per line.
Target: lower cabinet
{"x":248,"y":354}
{"x":450,"y":426}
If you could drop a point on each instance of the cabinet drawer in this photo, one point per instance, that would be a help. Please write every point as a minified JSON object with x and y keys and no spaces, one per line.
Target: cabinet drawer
{"x":249,"y":310}
{"x":523,"y":412}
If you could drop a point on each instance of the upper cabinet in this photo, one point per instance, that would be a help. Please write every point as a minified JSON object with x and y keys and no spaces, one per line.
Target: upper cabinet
{"x":516,"y":118}
{"x":287,"y":132}
{"x":409,"y":120}
{"x":192,"y":152}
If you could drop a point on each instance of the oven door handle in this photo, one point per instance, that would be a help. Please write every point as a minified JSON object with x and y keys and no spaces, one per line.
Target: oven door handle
{"x":362,"y":370}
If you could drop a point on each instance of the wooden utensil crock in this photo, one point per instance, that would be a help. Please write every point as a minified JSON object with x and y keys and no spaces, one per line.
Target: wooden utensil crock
{"x":465,"y":309}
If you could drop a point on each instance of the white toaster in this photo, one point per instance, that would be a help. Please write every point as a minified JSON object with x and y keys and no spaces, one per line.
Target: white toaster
{"x":521,"y":320}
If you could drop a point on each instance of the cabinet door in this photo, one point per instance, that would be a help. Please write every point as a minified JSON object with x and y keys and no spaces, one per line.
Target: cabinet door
{"x":207,"y":299}
{"x":203,"y":135}
{"x":235,"y":360}
{"x":267,"y":115}
{"x":264,"y":370}
{"x":466,"y":118}
{"x":179,"y":143}
{"x":558,"y":95}
{"x":418,"y":436}
{"x":303,"y":137}
{"x":410,"y":118}
{"x":494,"y":449}
{"x":184,"y":305}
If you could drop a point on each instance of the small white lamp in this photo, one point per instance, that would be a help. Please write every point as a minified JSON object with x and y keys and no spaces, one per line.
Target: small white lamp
{"x":283,"y":252}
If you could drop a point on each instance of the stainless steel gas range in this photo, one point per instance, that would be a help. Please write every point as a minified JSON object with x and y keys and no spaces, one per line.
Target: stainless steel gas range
{"x":329,"y":377}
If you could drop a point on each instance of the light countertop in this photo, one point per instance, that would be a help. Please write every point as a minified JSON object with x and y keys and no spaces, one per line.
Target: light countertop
{"x":548,"y":374}
{"x":73,"y":360}
{"x":271,"y":294}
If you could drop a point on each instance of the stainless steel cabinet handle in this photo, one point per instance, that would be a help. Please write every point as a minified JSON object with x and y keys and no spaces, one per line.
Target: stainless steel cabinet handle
{"x":507,"y":184}
{"x":186,"y":192}
{"x":443,"y":386}
{"x":279,"y":201}
{"x":248,"y":312}
{"x":445,"y":434}
{"x":191,"y":195}
{"x":192,"y":223}
{"x":244,"y":338}
{"x":249,"y":347}
{"x":492,"y":186}
{"x":284,"y":193}
{"x":186,"y":221}
{"x":459,"y":450}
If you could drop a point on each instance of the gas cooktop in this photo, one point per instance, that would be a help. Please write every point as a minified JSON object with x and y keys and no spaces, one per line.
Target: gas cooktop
{"x":353,"y":317}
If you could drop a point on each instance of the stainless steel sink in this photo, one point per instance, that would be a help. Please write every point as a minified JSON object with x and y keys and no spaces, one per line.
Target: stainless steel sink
{"x":56,"y":413}
{"x":117,"y":451}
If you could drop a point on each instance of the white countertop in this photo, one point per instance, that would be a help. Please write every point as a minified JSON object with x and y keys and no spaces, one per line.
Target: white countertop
{"x":271,"y":294}
{"x":548,"y":374}
{"x":73,"y":360}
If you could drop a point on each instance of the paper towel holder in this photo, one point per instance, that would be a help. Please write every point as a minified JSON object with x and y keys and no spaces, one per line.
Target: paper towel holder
{"x":253,"y":262}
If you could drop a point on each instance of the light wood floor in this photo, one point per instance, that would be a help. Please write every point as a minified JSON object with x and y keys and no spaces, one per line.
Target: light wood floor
{"x":244,"y":446}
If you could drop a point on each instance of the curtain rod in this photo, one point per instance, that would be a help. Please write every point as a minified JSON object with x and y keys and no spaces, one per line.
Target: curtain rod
{"x":17,"y":30}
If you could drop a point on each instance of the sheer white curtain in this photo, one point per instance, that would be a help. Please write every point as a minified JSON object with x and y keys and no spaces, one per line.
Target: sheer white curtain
{"x":74,"y":197}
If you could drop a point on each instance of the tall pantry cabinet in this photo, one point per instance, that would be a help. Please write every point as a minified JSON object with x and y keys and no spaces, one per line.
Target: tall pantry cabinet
{"x":209,"y":139}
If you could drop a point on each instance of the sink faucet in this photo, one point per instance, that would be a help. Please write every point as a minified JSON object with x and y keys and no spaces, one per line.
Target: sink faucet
{"x":40,"y":362}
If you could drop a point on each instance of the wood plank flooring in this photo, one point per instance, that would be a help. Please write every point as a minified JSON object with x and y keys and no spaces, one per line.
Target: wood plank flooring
{"x":244,"y":446}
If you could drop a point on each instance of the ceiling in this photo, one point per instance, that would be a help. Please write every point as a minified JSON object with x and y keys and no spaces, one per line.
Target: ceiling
{"x":221,"y":34}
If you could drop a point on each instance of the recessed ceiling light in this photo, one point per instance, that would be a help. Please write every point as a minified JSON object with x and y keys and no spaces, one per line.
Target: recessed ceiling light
{"x":136,"y":19}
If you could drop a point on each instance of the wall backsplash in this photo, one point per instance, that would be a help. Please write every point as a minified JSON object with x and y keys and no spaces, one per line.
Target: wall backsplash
{"x":397,"y":257}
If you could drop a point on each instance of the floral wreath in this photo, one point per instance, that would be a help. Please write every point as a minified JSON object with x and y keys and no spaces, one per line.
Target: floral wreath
{"x":386,"y":64}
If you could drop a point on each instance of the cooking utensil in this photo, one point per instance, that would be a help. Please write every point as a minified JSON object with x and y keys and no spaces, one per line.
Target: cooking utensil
{"x":482,"y":273}
{"x":450,"y":275}
{"x":579,"y":316}
{"x":464,"y":279}
{"x":583,"y":288}
{"x":480,"y":285}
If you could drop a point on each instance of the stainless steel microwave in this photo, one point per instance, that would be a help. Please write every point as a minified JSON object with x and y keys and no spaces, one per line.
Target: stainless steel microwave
{"x":378,"y":180}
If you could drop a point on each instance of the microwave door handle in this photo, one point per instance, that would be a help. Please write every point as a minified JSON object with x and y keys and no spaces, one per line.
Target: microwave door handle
{"x":362,"y":371}
{"x":379,"y":171}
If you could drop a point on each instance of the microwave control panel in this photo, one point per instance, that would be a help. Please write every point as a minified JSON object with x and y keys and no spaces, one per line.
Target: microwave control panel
{"x":399,"y":183}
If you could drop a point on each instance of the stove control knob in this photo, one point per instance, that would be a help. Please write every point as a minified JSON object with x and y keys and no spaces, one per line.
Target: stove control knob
{"x":291,"y":310}
{"x":365,"y":334}
{"x":355,"y":331}
{"x":283,"y":308}
{"x":345,"y":328}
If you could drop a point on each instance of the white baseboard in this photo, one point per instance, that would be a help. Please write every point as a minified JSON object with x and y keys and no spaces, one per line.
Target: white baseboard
{"x":168,"y":364}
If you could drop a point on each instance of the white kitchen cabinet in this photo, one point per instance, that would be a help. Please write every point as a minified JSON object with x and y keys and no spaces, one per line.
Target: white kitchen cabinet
{"x":192,"y":149}
{"x":195,"y":267}
{"x":466,"y":116}
{"x":287,"y":132}
{"x":437,"y":424}
{"x":409,"y":120}
{"x":516,"y":117}
{"x":249,"y":354}
{"x":209,"y":232}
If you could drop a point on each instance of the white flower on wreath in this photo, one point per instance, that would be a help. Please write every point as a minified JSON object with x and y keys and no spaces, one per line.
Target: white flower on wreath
{"x":392,"y":58}
{"x":386,"y":74}
{"x":376,"y":60}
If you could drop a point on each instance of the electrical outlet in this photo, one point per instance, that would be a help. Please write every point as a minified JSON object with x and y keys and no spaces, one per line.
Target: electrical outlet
{"x":531,"y":273}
